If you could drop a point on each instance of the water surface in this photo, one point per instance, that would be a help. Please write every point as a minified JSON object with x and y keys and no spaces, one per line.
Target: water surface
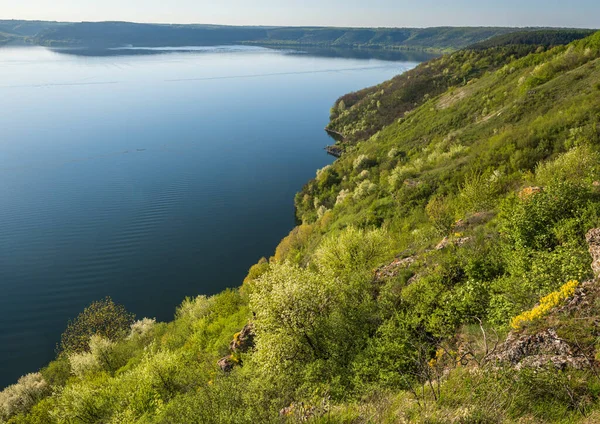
{"x":150,"y":175}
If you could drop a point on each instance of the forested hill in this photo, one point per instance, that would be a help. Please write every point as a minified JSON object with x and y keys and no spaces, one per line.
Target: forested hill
{"x":445,"y":270}
{"x":117,"y":34}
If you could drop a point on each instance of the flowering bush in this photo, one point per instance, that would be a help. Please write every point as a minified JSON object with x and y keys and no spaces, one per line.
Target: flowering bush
{"x":364,"y":189}
{"x":362,"y":162}
{"x":363,"y":175}
{"x":341,"y":197}
{"x":546,"y":304}
{"x":322,"y":211}
{"x":97,"y":359}
{"x":142,"y":327}
{"x":20,"y":397}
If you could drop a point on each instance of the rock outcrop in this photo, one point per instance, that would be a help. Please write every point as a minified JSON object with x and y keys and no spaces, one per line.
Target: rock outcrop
{"x":546,"y":347}
{"x":393,"y":269}
{"x":447,"y":241}
{"x":593,"y":239}
{"x":227,"y":363}
{"x":242,"y":342}
{"x":538,"y":350}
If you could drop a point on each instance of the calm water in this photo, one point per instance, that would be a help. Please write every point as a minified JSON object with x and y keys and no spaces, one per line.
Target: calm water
{"x":150,"y":177}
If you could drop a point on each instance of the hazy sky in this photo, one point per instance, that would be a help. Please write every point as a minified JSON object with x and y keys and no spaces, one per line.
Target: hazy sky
{"x":418,"y":13}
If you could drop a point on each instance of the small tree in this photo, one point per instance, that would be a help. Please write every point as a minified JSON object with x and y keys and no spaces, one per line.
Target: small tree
{"x":441,"y":214}
{"x":103,"y":318}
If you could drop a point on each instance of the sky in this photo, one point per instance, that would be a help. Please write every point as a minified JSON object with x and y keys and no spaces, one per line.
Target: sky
{"x":355,"y":13}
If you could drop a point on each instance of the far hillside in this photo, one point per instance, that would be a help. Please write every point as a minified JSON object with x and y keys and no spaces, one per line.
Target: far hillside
{"x":118,"y":34}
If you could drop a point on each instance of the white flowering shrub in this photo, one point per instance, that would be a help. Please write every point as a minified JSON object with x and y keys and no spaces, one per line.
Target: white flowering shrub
{"x":322,"y":171}
{"x":364,"y":189}
{"x":404,"y":172}
{"x":321,"y":211}
{"x":20,"y":397}
{"x":342,"y":196}
{"x":362,"y":162}
{"x":142,"y":328}
{"x":363,"y":175}
{"x":194,"y":308}
{"x":98,"y":358}
{"x":83,"y":364}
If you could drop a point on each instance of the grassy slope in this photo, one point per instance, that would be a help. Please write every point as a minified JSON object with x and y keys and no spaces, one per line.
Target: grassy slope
{"x":365,"y":112}
{"x":462,"y":152}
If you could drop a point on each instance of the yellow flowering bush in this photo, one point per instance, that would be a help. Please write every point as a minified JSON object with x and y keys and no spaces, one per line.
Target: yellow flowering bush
{"x":546,"y":304}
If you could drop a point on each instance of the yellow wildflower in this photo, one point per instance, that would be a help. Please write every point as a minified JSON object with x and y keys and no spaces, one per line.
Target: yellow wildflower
{"x":546,"y":304}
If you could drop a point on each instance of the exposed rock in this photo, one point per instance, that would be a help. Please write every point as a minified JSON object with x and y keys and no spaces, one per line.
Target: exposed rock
{"x":287,"y":411}
{"x":538,"y":350}
{"x":545,"y":347}
{"x":334,"y":150}
{"x":411,"y":183}
{"x":560,"y":362}
{"x":593,"y":239}
{"x":472,"y":220}
{"x":529,"y":192}
{"x":580,"y":299}
{"x":244,"y":340}
{"x":517,"y":347}
{"x":391,"y":270}
{"x":447,"y":241}
{"x":227,"y":363}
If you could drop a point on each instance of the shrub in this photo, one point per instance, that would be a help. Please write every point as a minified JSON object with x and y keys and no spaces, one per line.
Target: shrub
{"x":389,"y":358}
{"x":194,"y":308}
{"x":364,"y":189}
{"x":142,"y":328}
{"x":580,"y":164}
{"x":441,"y":214}
{"x":257,"y":270}
{"x":20,"y":397}
{"x":103,"y":318}
{"x":98,"y":358}
{"x":291,"y":306}
{"x":530,"y":221}
{"x":58,"y":371}
{"x":478,"y":192}
{"x":292,"y":246}
{"x":83,"y":363}
{"x":353,"y":250}
{"x":362,"y":162}
{"x":85,"y":402}
{"x":341,"y":197}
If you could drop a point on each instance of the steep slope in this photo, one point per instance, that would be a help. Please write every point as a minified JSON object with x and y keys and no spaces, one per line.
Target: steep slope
{"x":361,"y":114}
{"x":419,"y":250}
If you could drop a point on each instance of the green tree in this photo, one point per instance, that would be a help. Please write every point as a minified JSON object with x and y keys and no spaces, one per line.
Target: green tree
{"x":103,"y":318}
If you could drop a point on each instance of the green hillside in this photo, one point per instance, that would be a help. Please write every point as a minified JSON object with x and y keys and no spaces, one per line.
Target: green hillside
{"x":361,"y":114}
{"x":441,"y":273}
